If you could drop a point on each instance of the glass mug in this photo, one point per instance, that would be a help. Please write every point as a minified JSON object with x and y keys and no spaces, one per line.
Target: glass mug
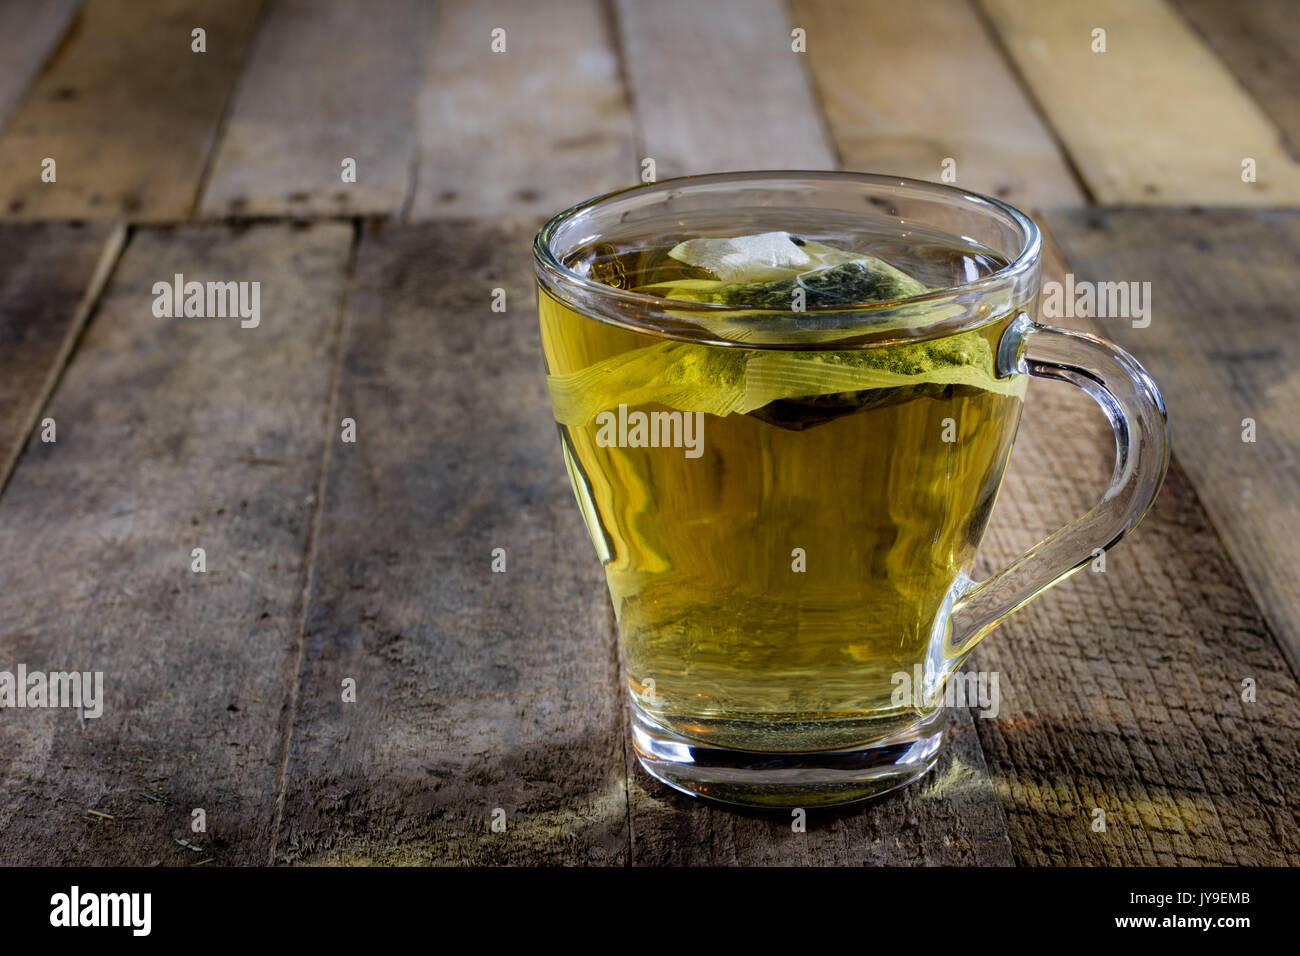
{"x":787,"y":491}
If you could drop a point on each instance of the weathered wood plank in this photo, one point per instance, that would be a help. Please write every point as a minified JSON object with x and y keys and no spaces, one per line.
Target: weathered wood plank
{"x":1225,"y":287}
{"x":172,"y":434}
{"x":1156,"y":118}
{"x":718,"y":87}
{"x":51,"y":274}
{"x":126,"y":110}
{"x":1260,"y":42}
{"x":523,"y":133}
{"x":1121,"y":690}
{"x":907,"y":94}
{"x":28,"y":32}
{"x":325,"y":82}
{"x":475,"y":690}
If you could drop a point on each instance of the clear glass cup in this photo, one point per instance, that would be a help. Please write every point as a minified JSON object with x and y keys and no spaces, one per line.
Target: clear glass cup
{"x":791,"y":579}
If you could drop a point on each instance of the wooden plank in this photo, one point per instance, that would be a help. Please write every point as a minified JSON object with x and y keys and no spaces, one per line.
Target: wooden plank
{"x":905,"y":94}
{"x":527,"y":132}
{"x":172,"y":434}
{"x":1156,"y":118}
{"x":1121,"y":690}
{"x":1260,"y":42}
{"x":1226,"y":301}
{"x":51,"y":274}
{"x":475,"y":690}
{"x":126,"y":110}
{"x":28,"y":32}
{"x":325,"y":82}
{"x":718,"y":87}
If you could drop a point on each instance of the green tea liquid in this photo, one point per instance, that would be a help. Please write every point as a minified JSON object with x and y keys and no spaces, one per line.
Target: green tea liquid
{"x":768,"y":590}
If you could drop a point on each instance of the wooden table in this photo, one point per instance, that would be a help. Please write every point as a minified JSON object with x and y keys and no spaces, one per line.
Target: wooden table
{"x":329,"y":560}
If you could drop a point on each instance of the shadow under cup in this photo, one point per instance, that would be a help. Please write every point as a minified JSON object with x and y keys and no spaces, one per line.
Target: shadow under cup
{"x":787,"y":500}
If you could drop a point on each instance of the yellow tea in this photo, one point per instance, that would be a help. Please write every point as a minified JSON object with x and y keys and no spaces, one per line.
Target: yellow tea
{"x":780,"y":526}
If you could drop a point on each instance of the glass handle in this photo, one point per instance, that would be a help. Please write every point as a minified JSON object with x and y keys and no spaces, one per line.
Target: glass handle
{"x":1136,"y":411}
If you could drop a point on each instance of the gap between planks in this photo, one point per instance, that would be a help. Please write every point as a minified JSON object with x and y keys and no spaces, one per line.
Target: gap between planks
{"x":313,"y":537}
{"x":108,"y":260}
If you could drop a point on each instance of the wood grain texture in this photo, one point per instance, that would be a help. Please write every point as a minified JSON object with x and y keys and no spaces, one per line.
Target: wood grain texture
{"x":527,"y":132}
{"x":718,"y":88}
{"x":324,"y":82}
{"x":28,"y":32}
{"x":1121,"y":689}
{"x":475,"y":690}
{"x":172,"y":434}
{"x":1260,"y":42}
{"x":1157,"y":118}
{"x":1226,"y":302}
{"x":904,"y":91}
{"x":51,"y":274}
{"x":126,"y":110}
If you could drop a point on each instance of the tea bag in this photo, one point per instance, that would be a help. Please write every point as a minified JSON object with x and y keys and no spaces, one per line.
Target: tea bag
{"x":830,"y":277}
{"x":791,"y":389}
{"x":768,"y":255}
{"x":764,"y":271}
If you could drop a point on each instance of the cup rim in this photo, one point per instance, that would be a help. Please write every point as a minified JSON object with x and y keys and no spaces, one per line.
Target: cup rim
{"x":549,"y":266}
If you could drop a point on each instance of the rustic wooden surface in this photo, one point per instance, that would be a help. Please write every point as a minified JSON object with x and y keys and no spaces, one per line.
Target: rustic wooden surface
{"x":28,"y":32}
{"x":929,"y":94}
{"x":331,"y":560}
{"x":747,"y":93}
{"x":1121,"y":688}
{"x":475,"y":690}
{"x":1156,"y":117}
{"x":1222,"y":341}
{"x":51,"y":275}
{"x":325,"y":82}
{"x":1260,"y":43}
{"x":556,"y":88}
{"x":126,"y":110}
{"x":172,"y":436}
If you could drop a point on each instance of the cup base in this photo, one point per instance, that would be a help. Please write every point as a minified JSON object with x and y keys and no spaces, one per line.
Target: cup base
{"x":774,"y":780}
